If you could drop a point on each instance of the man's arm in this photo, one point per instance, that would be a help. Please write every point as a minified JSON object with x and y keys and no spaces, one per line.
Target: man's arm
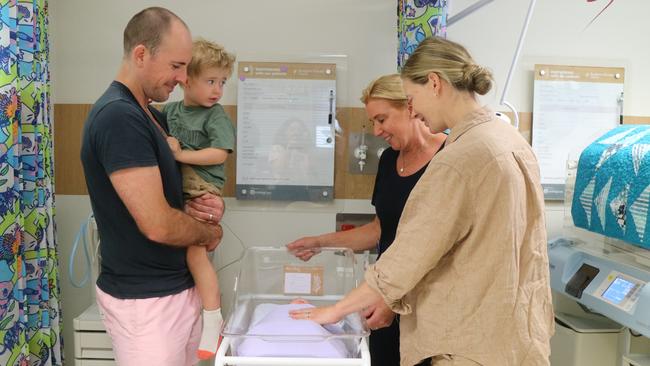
{"x":141,"y":191}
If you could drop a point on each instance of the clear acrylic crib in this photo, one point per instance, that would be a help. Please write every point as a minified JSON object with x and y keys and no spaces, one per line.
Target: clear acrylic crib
{"x":272,"y":275}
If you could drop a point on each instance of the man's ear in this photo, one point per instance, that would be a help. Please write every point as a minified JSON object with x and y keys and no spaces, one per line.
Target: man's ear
{"x":138,"y":54}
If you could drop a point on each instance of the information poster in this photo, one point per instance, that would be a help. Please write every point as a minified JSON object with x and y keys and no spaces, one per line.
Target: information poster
{"x":285,"y":133}
{"x":572,"y":106}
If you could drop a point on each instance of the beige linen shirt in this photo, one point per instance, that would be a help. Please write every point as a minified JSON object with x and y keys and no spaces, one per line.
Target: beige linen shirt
{"x":468,"y":268}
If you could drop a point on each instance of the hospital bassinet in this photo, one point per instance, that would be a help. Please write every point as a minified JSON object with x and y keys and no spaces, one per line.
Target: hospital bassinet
{"x":272,"y":275}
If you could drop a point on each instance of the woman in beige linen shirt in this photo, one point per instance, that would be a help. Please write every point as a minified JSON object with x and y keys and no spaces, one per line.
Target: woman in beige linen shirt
{"x":400,"y":167}
{"x":468,"y":269}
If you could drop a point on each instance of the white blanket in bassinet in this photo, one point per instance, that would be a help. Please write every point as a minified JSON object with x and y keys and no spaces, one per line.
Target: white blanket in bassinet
{"x":287,"y":337}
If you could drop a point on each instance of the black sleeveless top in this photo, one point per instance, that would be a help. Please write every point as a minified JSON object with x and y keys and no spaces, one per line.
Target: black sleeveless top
{"x":390,"y":195}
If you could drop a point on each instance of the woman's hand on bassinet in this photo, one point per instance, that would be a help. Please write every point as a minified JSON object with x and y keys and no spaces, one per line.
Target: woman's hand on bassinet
{"x":320,"y":315}
{"x":304,"y":248}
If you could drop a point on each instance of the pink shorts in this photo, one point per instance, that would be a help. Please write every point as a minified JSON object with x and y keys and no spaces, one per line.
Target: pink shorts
{"x":161,"y":331}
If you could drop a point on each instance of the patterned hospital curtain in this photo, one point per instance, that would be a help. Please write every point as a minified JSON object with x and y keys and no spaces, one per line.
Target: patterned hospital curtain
{"x":30,"y":322}
{"x":417,"y":20}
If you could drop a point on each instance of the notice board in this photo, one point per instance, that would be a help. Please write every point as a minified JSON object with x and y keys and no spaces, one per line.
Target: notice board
{"x":285,"y":131}
{"x":572,"y":106}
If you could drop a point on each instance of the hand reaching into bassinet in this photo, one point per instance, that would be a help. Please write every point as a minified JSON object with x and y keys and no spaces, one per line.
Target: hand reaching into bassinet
{"x":320,"y":315}
{"x":272,"y":333}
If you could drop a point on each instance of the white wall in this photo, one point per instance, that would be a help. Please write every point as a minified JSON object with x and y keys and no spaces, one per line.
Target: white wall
{"x":86,"y":38}
{"x":557,"y":35}
{"x":87,"y":48}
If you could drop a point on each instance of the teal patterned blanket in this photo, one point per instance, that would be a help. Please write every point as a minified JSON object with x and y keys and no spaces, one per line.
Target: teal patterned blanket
{"x":612,"y":189}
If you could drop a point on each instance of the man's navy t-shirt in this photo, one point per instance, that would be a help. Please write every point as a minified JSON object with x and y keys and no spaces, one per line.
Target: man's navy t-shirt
{"x":118,"y":135}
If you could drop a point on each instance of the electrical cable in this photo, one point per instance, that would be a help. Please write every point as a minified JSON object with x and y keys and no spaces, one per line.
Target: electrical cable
{"x":82,"y":237}
{"x":241,"y":244}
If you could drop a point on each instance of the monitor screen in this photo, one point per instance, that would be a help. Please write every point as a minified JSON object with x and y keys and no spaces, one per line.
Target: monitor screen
{"x":618,"y":290}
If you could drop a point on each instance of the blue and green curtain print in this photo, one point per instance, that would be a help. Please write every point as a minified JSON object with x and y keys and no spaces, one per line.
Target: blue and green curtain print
{"x":30,"y":321}
{"x":417,"y":20}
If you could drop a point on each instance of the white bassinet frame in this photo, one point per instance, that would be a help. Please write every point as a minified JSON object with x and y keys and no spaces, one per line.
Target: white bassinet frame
{"x":337,"y":270}
{"x":222,"y":359}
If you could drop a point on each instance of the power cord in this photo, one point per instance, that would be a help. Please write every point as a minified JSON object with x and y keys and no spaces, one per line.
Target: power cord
{"x":82,"y":237}
{"x":634,"y":334}
{"x":241,"y":244}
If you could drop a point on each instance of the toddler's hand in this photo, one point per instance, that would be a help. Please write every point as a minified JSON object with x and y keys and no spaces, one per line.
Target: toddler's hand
{"x":174,"y":145}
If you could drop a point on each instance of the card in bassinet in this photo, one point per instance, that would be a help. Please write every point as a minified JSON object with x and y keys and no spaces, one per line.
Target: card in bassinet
{"x":303,"y":280}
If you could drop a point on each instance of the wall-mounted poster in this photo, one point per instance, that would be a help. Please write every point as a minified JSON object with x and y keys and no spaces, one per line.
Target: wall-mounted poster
{"x":285,"y":133}
{"x":572,"y":106}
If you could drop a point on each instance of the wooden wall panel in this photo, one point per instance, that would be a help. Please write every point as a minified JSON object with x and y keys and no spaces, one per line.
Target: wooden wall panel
{"x":636,"y":120}
{"x":68,"y":125}
{"x":69,"y":119}
{"x":351,"y":186}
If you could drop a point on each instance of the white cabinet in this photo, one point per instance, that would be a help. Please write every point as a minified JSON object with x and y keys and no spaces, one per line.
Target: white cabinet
{"x":92,"y":345}
{"x":580,"y":341}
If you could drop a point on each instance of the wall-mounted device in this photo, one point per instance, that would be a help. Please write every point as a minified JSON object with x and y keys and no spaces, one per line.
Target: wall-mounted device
{"x":365,"y":150}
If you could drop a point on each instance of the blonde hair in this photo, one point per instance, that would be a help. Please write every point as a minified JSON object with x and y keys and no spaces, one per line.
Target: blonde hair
{"x":206,"y":54}
{"x":387,"y":87}
{"x":451,"y":62}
